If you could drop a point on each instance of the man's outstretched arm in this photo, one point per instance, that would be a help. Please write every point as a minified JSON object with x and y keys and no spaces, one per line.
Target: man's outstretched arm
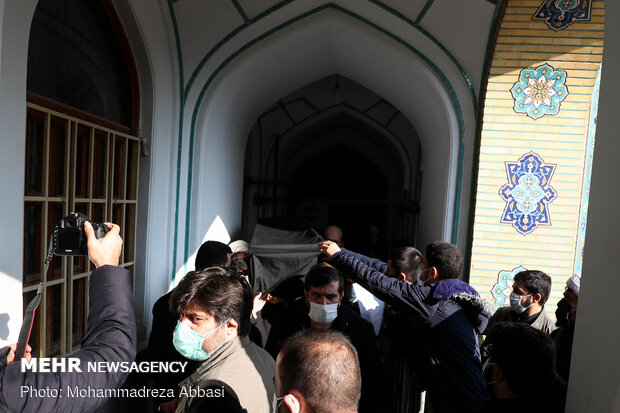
{"x":111,"y":337}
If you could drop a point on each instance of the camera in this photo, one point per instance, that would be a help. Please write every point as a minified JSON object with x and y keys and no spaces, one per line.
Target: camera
{"x":69,"y":237}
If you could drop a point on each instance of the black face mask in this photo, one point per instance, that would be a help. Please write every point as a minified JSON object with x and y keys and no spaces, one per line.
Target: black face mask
{"x":563,"y":314}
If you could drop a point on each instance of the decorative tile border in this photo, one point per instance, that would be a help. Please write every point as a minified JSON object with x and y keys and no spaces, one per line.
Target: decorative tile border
{"x":587,"y":177}
{"x":502,"y":289}
{"x":528,"y":193}
{"x":559,"y":14}
{"x":539,"y":91}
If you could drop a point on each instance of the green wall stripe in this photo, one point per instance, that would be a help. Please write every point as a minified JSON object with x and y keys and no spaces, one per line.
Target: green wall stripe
{"x":225,"y":40}
{"x":241,"y":11}
{"x":180,"y":138}
{"x":440,"y":74}
{"x":416,"y":25}
{"x":424,"y":10}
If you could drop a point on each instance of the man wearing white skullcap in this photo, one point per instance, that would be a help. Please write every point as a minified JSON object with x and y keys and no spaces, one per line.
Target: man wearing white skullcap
{"x":563,"y":336}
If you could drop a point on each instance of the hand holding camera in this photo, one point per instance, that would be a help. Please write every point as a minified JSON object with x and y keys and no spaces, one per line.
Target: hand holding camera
{"x":75,"y":235}
{"x":106,"y":250}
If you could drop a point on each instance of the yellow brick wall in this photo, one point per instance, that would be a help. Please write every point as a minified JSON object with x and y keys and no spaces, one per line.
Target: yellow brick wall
{"x":560,"y":139}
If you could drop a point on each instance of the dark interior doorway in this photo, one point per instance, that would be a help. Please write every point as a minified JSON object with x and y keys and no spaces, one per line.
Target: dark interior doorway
{"x":340,"y":186}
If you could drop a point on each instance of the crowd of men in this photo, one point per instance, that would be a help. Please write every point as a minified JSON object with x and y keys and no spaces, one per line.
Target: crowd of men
{"x":312,"y":343}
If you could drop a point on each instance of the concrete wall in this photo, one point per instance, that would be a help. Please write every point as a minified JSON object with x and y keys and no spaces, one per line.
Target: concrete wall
{"x":595,"y":371}
{"x":15,"y":30}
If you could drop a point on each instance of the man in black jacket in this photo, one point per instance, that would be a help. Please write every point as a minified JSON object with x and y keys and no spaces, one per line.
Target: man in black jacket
{"x":446,"y":313}
{"x":111,"y":338}
{"x":324,"y":290}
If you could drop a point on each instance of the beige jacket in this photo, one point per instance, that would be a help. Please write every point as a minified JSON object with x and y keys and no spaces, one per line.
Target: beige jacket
{"x":243,"y":366}
{"x":543,"y":322}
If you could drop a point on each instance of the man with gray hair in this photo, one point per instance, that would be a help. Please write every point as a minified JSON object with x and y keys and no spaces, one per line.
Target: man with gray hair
{"x":317,"y":371}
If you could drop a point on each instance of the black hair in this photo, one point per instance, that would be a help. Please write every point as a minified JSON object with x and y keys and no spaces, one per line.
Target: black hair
{"x":536,"y":282}
{"x":446,"y":257}
{"x":322,"y":274}
{"x":212,"y":254}
{"x":225,"y":295}
{"x":526,"y":358}
{"x":407,"y":260}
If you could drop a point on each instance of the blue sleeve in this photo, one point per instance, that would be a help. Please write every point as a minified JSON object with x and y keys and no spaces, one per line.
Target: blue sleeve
{"x":371,"y":262}
{"x":388,"y":289}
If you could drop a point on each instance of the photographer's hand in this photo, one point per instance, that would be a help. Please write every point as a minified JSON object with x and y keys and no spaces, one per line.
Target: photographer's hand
{"x":107,"y":250}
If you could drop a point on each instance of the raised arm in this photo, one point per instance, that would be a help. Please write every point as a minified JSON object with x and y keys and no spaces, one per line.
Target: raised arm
{"x":388,"y":289}
{"x":111,"y":337}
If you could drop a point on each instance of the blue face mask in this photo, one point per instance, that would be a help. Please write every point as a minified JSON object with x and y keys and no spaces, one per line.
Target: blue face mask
{"x":189,"y":342}
{"x":515,"y":303}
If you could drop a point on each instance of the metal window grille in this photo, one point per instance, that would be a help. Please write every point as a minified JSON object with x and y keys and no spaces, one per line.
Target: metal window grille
{"x":72,"y":165}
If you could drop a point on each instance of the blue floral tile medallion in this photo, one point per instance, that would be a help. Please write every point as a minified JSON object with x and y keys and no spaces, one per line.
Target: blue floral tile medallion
{"x":502,"y":289}
{"x":528,"y":193}
{"x":539,"y":91}
{"x":559,"y":14}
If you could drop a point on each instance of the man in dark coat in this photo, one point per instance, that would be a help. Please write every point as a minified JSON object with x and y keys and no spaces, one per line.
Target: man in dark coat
{"x":324,"y":290}
{"x":448,"y":315}
{"x":111,"y":338}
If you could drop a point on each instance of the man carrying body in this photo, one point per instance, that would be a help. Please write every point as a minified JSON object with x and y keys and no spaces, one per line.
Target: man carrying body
{"x":317,"y":371}
{"x":324,"y":291}
{"x":214,"y":307}
{"x":530,"y":291}
{"x":447,"y":313}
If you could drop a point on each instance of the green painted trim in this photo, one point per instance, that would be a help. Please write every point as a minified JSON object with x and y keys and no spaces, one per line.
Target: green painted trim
{"x":240,"y":10}
{"x":416,"y":25}
{"x":258,"y":39}
{"x":484,"y":81}
{"x":423,"y":12}
{"x":180,"y":139}
{"x":225,"y":40}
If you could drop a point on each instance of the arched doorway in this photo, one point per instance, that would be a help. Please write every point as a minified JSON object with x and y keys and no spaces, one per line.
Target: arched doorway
{"x":247,"y":83}
{"x":334,"y":153}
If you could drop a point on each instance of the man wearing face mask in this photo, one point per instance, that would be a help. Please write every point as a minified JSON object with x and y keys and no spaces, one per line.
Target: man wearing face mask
{"x":213,"y":327}
{"x":514,"y":350}
{"x":530,"y":292}
{"x":324,"y":291}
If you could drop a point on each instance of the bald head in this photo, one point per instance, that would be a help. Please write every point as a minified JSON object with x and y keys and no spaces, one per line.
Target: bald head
{"x":333,"y":233}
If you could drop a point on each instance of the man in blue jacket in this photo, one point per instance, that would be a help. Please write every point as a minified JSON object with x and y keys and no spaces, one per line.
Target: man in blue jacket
{"x":111,"y":338}
{"x":446,"y":313}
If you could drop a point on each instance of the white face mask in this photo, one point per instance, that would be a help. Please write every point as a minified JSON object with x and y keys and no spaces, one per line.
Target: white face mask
{"x":515,"y":303}
{"x":323,"y":314}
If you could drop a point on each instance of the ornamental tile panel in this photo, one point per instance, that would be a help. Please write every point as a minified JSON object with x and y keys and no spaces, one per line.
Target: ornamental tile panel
{"x":559,"y":14}
{"x":502,"y":289}
{"x":539,"y":91}
{"x":528,"y":193}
